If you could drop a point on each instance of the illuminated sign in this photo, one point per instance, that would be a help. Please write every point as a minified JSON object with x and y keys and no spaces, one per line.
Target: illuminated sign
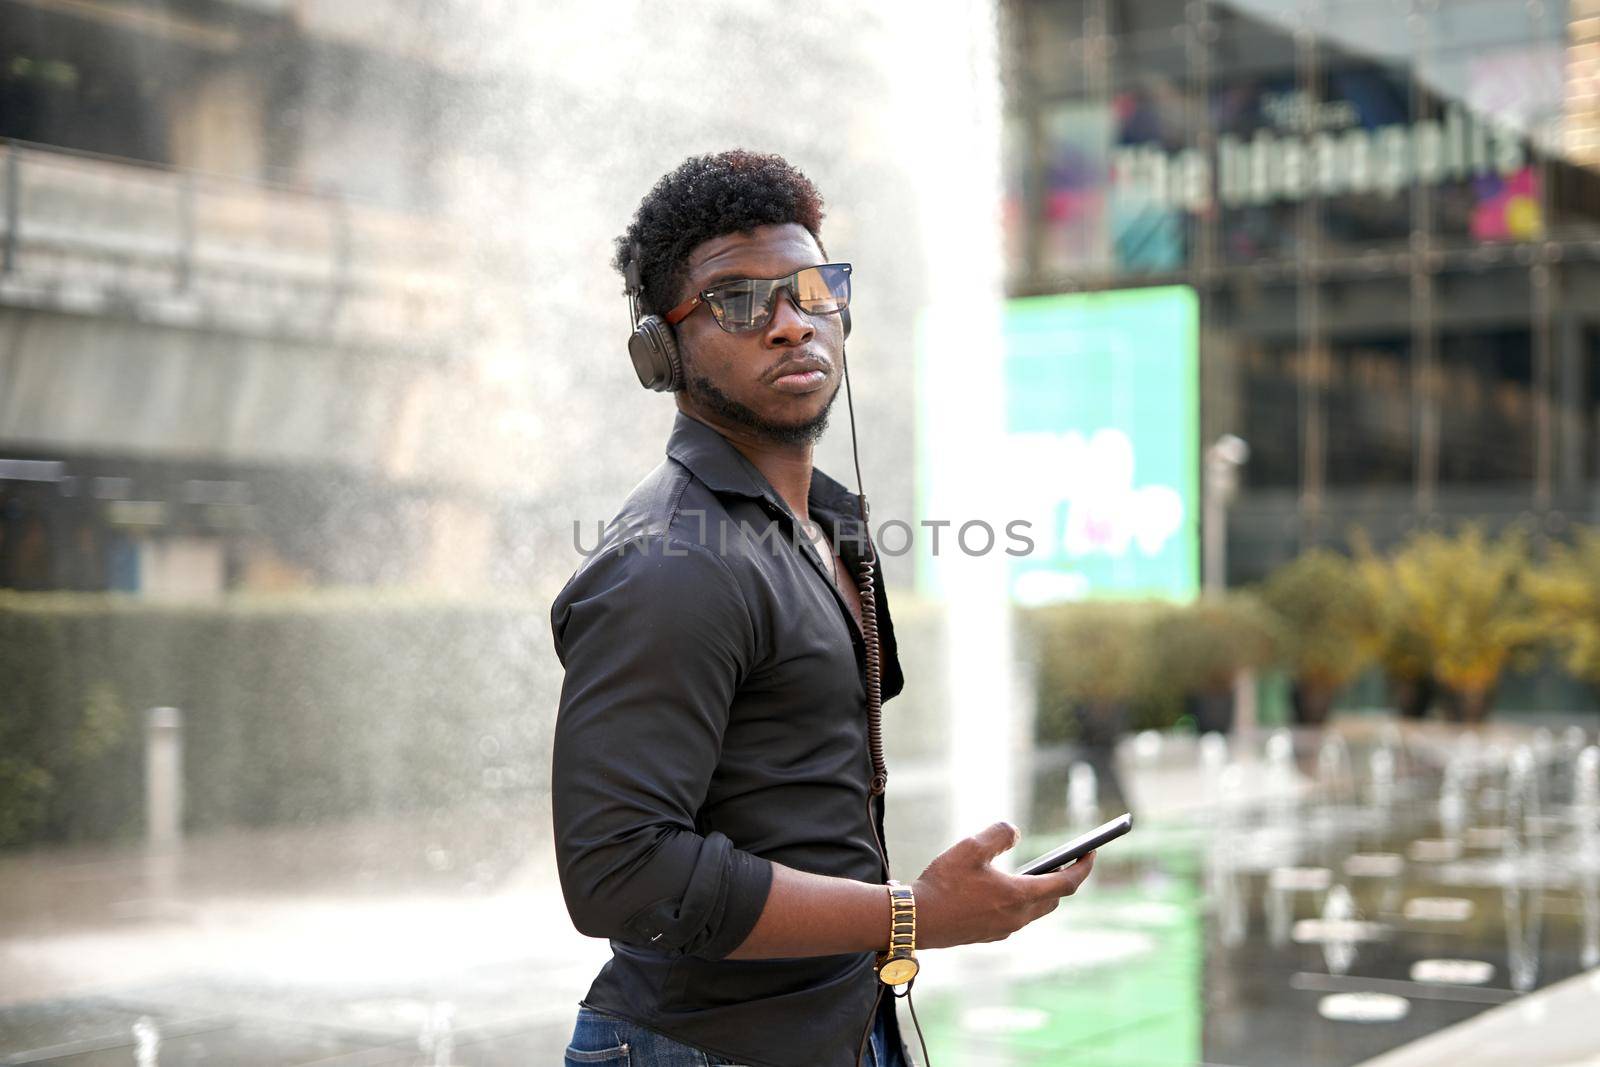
{"x":1102,"y":421}
{"x":1318,"y":149}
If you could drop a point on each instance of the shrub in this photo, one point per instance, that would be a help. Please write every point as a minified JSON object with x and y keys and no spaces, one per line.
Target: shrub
{"x":295,"y":708}
{"x":1566,"y":592}
{"x":1330,"y":626}
{"x":1202,"y":647}
{"x":1329,"y":622}
{"x":1108,"y":666}
{"x":1454,"y":607}
{"x":1093,"y":666}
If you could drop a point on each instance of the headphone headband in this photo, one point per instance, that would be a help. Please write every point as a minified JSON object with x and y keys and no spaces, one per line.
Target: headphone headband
{"x":632,"y":283}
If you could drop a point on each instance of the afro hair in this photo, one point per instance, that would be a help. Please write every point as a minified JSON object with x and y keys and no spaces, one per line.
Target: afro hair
{"x":705,"y":197}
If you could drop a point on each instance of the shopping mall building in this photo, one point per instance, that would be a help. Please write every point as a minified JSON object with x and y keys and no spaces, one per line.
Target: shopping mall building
{"x":1385,"y":217}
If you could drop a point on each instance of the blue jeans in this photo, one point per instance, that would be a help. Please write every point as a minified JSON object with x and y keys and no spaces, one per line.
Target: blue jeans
{"x":606,"y":1040}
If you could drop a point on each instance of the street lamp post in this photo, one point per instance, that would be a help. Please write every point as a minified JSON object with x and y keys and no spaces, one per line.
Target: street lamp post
{"x":1223,"y":459}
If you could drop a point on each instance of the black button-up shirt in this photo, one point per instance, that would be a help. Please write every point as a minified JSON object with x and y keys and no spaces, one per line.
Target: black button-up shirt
{"x":713,"y":722}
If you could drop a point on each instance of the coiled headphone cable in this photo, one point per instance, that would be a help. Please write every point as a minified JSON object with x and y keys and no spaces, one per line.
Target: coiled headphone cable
{"x":867,"y":585}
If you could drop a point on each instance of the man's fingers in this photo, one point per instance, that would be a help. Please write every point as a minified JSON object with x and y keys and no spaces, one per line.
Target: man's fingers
{"x":1066,"y":881}
{"x":1077,"y":873}
{"x":996,"y":839}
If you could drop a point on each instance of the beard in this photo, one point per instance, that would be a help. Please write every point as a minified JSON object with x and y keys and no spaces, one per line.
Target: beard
{"x":705,"y":392}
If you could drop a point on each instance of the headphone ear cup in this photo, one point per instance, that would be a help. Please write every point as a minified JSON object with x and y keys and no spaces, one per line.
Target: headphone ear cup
{"x":844,"y":317}
{"x":654,"y":352}
{"x":669,"y":345}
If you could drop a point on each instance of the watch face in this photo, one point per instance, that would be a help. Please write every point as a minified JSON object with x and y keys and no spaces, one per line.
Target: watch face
{"x":898,"y":972}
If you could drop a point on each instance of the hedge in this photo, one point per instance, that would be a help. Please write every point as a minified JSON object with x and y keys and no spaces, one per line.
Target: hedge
{"x":295,"y":708}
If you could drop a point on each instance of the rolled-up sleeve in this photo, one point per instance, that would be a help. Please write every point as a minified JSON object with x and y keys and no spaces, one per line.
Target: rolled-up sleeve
{"x":655,"y":638}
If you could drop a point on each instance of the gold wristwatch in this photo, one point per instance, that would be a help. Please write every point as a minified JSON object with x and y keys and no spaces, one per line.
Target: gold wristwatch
{"x":898,"y":966}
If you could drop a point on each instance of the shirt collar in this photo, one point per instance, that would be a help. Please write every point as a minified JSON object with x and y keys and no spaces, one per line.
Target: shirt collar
{"x":712,"y":458}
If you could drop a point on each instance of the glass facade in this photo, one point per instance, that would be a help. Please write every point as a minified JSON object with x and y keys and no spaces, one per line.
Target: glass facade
{"x":1390,"y":213}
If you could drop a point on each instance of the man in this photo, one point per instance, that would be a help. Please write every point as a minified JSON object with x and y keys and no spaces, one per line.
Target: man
{"x":715,"y":813}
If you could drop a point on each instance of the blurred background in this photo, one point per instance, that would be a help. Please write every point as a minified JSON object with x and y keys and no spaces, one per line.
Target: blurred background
{"x":1271,"y":326}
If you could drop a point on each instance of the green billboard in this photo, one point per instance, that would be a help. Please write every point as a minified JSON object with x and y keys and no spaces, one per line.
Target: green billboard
{"x":1102,"y":440}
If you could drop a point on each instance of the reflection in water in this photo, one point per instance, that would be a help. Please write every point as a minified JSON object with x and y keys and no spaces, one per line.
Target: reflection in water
{"x":1340,"y":931}
{"x":1453,"y":794}
{"x":1438,"y":910}
{"x":1524,"y":910}
{"x":1335,"y":777}
{"x":1591,"y":921}
{"x":1434,"y":850}
{"x":1339,"y":942}
{"x":146,"y":1041}
{"x":1384,"y":868}
{"x":1283,"y":883}
{"x":1213,"y":749}
{"x":1586,"y":812}
{"x":1223,"y":877}
{"x":1381,"y":790}
{"x":1364,"y":1007}
{"x":1468,"y":811}
{"x":437,"y":1040}
{"x":1284,"y":799}
{"x":1452,"y":972}
{"x":1491,"y":838}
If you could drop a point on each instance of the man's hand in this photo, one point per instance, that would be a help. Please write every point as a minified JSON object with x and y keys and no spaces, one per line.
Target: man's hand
{"x":963,"y":898}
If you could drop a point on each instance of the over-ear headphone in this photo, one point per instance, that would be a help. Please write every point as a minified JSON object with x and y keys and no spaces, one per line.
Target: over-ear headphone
{"x":653,"y":347}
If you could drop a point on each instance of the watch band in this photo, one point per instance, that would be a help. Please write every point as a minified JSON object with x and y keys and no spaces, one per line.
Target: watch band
{"x":898,"y":965}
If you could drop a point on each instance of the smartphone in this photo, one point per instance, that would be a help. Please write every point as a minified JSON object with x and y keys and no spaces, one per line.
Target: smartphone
{"x":1080,"y":847}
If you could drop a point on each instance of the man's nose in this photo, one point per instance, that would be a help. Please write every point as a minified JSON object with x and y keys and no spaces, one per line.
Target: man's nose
{"x":789,"y":325}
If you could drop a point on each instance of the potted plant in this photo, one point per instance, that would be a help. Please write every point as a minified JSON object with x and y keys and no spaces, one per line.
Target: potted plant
{"x":1459,"y":602}
{"x":1566,"y":593}
{"x":1329,"y":627}
{"x":1397,"y":639}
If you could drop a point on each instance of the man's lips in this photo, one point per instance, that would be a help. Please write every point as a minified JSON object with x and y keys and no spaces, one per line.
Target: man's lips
{"x":800,"y":376}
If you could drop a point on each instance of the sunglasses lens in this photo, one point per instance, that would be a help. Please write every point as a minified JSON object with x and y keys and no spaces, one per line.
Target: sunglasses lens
{"x":823,"y":290}
{"x":746,"y":304}
{"x":735,"y":305}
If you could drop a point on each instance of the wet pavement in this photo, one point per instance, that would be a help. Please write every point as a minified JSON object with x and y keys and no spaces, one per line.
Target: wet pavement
{"x":1207,"y":936}
{"x":1278,"y":911}
{"x":368,"y":943}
